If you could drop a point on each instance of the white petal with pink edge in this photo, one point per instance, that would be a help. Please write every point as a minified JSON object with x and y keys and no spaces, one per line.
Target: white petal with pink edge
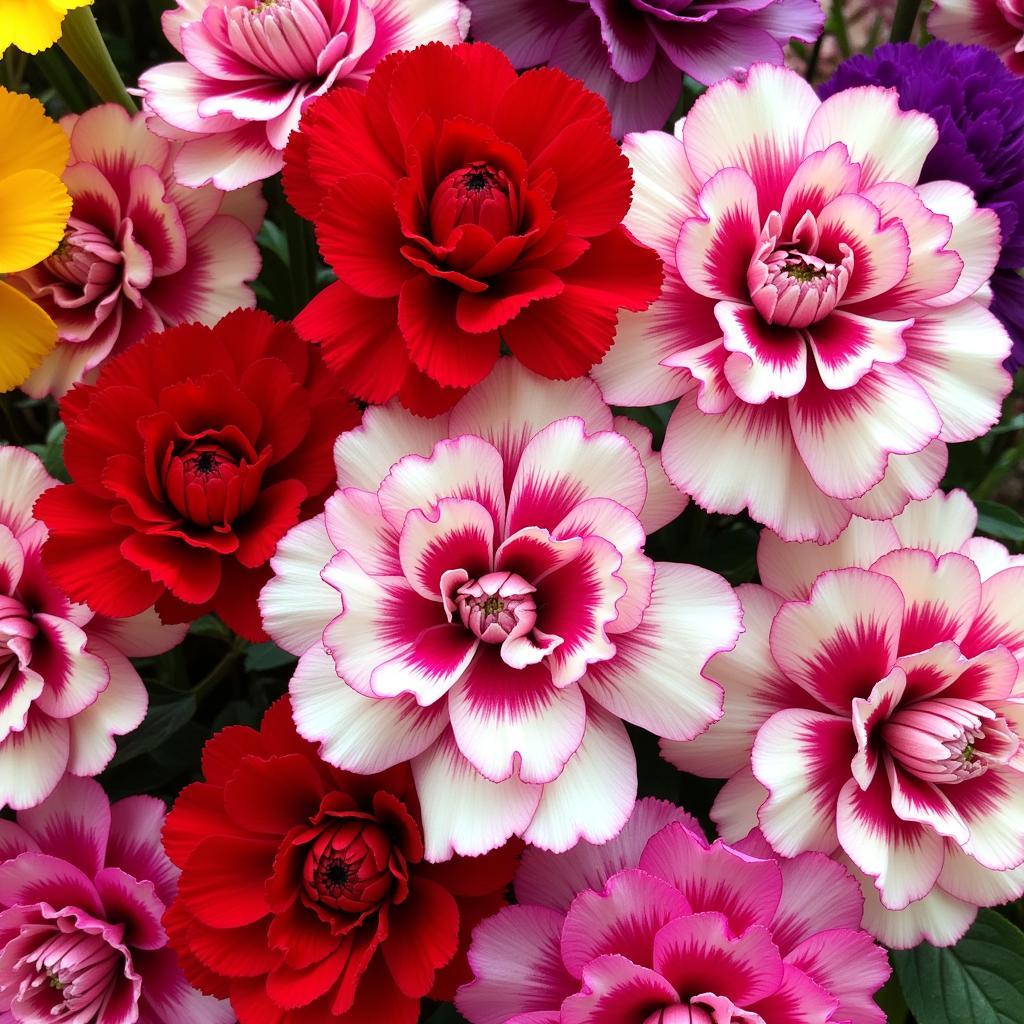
{"x":1001,"y":617}
{"x":964,"y":878}
{"x":843,"y":639}
{"x":890,"y":144}
{"x":803,"y":759}
{"x":357,"y":733}
{"x":846,"y":346}
{"x":992,"y":805}
{"x":754,"y":689}
{"x":906,"y":477}
{"x":463,"y":812}
{"x":22,"y":479}
{"x":554,"y":879}
{"x":594,"y":796}
{"x":765,"y":361}
{"x":363,"y":457}
{"x":32,"y":762}
{"x":74,"y":676}
{"x":745,"y":458}
{"x":664,"y":500}
{"x":657,"y":678}
{"x":355,"y":523}
{"x":141,"y":636}
{"x":503,"y":986}
{"x":736,"y":807}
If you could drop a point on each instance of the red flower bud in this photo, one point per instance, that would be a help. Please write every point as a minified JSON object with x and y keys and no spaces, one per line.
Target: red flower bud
{"x":348,"y":866}
{"x":477,"y":194}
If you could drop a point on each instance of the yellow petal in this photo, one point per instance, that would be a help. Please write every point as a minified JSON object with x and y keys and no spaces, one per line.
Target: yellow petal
{"x":34,"y":210}
{"x":28,"y":138}
{"x":27,"y":334}
{"x":31,"y":25}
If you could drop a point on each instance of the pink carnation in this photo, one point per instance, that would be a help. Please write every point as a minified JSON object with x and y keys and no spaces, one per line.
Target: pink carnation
{"x":997,"y":24}
{"x":476,"y":598}
{"x":659,"y":927}
{"x":823,"y":320}
{"x":66,"y":684}
{"x":252,"y":67}
{"x":874,"y":710}
{"x":141,"y":253}
{"x":83,"y":889}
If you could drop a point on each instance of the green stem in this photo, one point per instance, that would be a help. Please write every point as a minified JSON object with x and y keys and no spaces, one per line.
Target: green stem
{"x":82,"y":42}
{"x":838,"y":25}
{"x":1006,"y":462}
{"x":904,"y":20}
{"x":54,"y":66}
{"x":812,"y":61}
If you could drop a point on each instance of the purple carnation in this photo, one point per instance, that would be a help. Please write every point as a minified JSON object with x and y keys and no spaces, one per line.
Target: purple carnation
{"x":632,"y":52}
{"x":979,"y":108}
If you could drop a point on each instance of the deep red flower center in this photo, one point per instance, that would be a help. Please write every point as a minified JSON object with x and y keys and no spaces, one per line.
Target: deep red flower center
{"x":349,"y":867}
{"x":476,"y":194}
{"x":210,"y":484}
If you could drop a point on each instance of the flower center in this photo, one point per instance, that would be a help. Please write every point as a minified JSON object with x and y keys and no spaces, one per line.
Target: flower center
{"x":790,"y":288}
{"x":497,"y":606}
{"x":348,"y":867}
{"x":210,"y":484}
{"x":17,"y":630}
{"x":476,"y":194}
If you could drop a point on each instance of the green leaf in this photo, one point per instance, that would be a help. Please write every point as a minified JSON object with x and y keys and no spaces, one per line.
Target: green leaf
{"x":980,"y":980}
{"x":159,"y":725}
{"x":445,"y":1015}
{"x":1000,"y":522}
{"x":263,"y":657}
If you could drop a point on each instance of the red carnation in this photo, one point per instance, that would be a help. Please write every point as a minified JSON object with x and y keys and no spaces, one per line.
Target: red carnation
{"x":192,"y":455}
{"x":461,"y":207}
{"x":304,"y":896}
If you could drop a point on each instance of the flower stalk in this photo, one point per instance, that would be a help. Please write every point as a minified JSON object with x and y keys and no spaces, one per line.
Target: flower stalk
{"x":82,"y":42}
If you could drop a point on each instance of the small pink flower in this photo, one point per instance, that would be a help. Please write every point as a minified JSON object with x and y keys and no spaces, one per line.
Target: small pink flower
{"x":141,"y":252}
{"x":660,"y":927}
{"x":252,"y":67}
{"x":874,"y":710}
{"x":476,"y":598}
{"x":824,"y":319}
{"x":83,"y":890}
{"x":997,"y":24}
{"x":66,"y":684}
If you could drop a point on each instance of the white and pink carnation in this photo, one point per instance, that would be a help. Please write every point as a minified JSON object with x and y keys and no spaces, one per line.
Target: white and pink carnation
{"x":84,"y":885}
{"x":66,"y":684}
{"x":823,"y":321}
{"x":140,"y":253}
{"x":475,"y":598}
{"x":997,"y":24}
{"x":251,"y":67}
{"x":874,"y":710}
{"x":660,"y":927}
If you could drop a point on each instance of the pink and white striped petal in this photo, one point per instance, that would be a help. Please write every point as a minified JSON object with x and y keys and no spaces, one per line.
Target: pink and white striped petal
{"x":563,"y":465}
{"x":464,"y":813}
{"x":32,"y":761}
{"x":22,"y":479}
{"x":818,"y":180}
{"x":886,"y":412}
{"x":735,"y":810}
{"x":594,"y":796}
{"x":890,"y":144}
{"x":617,"y":991}
{"x":657,"y":678}
{"x":664,"y":500}
{"x":843,"y":639}
{"x":846,"y":346}
{"x":803,"y":759}
{"x":992,"y":806}
{"x":355,"y":523}
{"x":907,"y":477}
{"x":765,"y":361}
{"x":1000,"y":619}
{"x":357,"y":733}
{"x":964,"y":878}
{"x":74,"y":677}
{"x":915,"y":800}
{"x":73,"y":823}
{"x":510,"y":721}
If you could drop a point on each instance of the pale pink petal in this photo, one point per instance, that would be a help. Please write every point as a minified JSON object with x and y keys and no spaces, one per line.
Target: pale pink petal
{"x":766,"y":361}
{"x":657,"y":678}
{"x":356,"y":524}
{"x":174,"y":92}
{"x":956,"y":355}
{"x":818,"y":180}
{"x":297,"y":604}
{"x":73,"y":823}
{"x":1000,"y":619}
{"x":940,"y":523}
{"x":990,"y":556}
{"x":141,"y":636}
{"x":992,"y":806}
{"x":236,"y":156}
{"x":593,"y":797}
{"x":886,"y":412}
{"x":22,"y":479}
{"x":803,"y":759}
{"x":736,"y":807}
{"x":363,"y":456}
{"x":890,"y":144}
{"x":745,"y":458}
{"x":406,"y":24}
{"x":562,"y":465}
{"x":715,"y":878}
{"x":790,"y":569}
{"x":843,"y":639}
{"x":622,"y":918}
{"x":509,"y":721}
{"x":664,"y":500}
{"x":533,"y":980}
{"x":33,"y":761}
{"x":463,"y":812}
{"x":357,"y":733}
{"x":617,"y":991}
{"x":964,"y":878}
{"x":906,"y":477}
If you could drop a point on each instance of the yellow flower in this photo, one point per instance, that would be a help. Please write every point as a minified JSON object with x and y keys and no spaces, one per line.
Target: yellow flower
{"x":33,"y":25}
{"x":34,"y":211}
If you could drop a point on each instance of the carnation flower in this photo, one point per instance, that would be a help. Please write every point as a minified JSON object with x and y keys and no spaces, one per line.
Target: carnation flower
{"x":634,"y":53}
{"x":978,"y":107}
{"x":83,"y":888}
{"x":140,"y":252}
{"x":998,"y":24}
{"x":819,"y":321}
{"x":461,"y":208}
{"x":192,"y":455}
{"x":873,"y":711}
{"x":66,"y":683}
{"x":659,"y":927}
{"x":304,"y":895}
{"x":476,"y":598}
{"x":252,"y":67}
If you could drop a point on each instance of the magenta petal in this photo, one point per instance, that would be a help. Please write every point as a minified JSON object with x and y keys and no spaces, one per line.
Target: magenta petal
{"x":40,"y":878}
